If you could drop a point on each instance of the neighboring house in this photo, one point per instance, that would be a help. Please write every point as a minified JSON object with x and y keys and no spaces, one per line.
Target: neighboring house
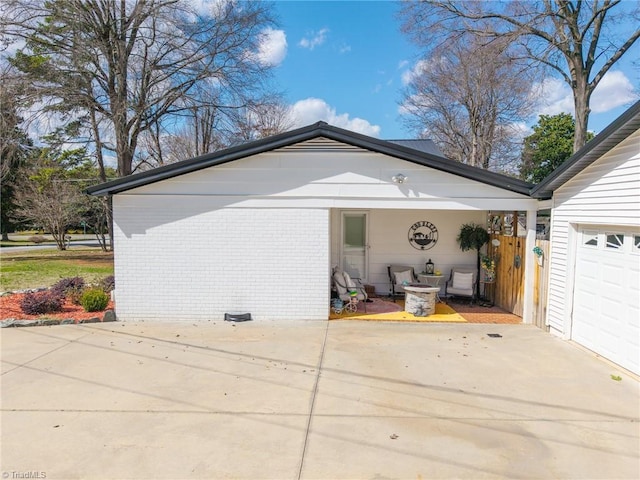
{"x":594,"y":282}
{"x":258,"y":228}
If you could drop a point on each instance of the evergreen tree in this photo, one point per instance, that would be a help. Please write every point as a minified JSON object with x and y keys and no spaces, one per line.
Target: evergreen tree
{"x":550,"y":144}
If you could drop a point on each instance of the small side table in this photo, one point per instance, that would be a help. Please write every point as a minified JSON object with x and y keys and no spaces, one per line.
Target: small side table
{"x":371,"y":291}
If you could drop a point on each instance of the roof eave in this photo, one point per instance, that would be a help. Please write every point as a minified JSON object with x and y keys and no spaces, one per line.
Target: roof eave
{"x":320,"y":129}
{"x":616,"y":132}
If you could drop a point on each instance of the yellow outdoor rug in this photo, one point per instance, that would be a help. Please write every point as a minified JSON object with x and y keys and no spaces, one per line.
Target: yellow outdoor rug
{"x":444,"y":313}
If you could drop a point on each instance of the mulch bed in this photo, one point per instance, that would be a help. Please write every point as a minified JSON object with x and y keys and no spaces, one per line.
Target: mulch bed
{"x":10,"y":308}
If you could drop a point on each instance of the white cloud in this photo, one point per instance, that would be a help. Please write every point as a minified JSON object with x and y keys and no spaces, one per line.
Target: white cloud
{"x":418,"y":69}
{"x":614,"y":90}
{"x":554,"y":96}
{"x":273,"y":47}
{"x":316,"y":39}
{"x":312,"y":110}
{"x":344,"y":48}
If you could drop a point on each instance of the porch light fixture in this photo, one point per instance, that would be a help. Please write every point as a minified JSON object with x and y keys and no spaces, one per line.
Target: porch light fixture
{"x":399,"y":178}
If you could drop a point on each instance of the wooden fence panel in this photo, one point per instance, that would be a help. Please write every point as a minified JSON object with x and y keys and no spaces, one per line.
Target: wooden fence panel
{"x":509,"y":286}
{"x":508,"y":290}
{"x":541,"y":285}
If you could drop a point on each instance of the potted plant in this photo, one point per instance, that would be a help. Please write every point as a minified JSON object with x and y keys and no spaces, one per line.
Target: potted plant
{"x":473,"y":237}
{"x":489,"y":267}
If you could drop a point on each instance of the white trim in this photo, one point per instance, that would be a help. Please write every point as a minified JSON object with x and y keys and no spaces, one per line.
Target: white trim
{"x":573,"y":238}
{"x":365,"y":277}
{"x":529,"y":268}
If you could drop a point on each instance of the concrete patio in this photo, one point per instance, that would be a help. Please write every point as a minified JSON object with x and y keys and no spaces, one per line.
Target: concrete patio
{"x":312,"y":400}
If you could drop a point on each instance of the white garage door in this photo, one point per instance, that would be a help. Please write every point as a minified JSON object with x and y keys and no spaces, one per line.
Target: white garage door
{"x":606,"y":304}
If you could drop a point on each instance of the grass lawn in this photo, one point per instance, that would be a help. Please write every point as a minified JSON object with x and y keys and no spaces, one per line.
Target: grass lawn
{"x":43,"y":268}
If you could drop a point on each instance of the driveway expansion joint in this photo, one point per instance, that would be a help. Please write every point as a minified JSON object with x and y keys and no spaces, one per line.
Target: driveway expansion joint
{"x":313,"y":399}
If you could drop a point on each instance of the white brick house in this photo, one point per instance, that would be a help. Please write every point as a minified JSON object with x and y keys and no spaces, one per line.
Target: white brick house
{"x":594,"y":283}
{"x":257,"y":228}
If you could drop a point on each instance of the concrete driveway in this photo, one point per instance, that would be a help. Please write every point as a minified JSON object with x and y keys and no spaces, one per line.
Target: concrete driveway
{"x":311,"y":400}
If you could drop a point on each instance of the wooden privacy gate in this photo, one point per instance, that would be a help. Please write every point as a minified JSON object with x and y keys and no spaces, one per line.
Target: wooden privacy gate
{"x":508,"y":291}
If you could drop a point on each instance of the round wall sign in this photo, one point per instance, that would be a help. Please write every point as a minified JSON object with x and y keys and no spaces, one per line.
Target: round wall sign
{"x":423,"y":235}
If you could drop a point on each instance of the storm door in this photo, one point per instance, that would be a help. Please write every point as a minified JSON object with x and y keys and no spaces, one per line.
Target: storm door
{"x":354,"y":255}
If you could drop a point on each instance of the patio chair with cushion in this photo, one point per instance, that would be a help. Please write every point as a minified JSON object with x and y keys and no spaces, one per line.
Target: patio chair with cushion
{"x":344,"y":285}
{"x":400,"y":275}
{"x":462,"y":283}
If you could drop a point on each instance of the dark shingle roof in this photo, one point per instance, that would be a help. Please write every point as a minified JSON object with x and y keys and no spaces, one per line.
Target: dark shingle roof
{"x":316,"y":130}
{"x":625,"y":125}
{"x":427,"y":146}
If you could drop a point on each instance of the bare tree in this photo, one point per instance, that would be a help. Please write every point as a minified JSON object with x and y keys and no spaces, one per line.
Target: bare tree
{"x":199,"y":130}
{"x":269,"y":116}
{"x":206,"y":129}
{"x":49,"y":202}
{"x":466,"y":97}
{"x":131,"y":63}
{"x":579,"y":40}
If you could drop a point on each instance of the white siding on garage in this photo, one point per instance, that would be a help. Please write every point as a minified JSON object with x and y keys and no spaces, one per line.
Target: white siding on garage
{"x":183,"y":258}
{"x":605,"y":193}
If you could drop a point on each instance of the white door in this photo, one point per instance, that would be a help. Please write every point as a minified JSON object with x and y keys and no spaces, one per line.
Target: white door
{"x":354,"y":255}
{"x":606,"y":303}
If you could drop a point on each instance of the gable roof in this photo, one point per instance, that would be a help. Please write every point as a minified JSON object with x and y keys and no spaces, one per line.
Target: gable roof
{"x":621,"y":128}
{"x":316,"y":130}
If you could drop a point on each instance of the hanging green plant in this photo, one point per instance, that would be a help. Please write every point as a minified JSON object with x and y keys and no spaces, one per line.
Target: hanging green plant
{"x":473,"y":237}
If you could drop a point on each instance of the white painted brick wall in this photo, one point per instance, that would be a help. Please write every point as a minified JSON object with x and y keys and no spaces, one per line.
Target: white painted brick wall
{"x":186,"y":258}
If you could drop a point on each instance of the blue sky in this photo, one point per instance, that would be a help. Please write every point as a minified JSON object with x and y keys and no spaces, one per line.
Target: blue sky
{"x":344,"y":62}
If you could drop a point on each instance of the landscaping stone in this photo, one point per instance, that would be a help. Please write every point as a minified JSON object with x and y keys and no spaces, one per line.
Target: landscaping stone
{"x":25,"y":323}
{"x":49,"y":321}
{"x":8,"y":322}
{"x":90,"y":320}
{"x":67,"y":321}
{"x":109,"y":316}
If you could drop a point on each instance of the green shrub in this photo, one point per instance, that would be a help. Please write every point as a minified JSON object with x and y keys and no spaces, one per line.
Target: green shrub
{"x":94,"y":300}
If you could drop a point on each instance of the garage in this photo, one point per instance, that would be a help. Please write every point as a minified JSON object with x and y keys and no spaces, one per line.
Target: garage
{"x":594,"y":263}
{"x":606,"y":290}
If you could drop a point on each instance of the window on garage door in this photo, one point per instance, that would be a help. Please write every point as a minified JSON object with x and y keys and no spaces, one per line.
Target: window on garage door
{"x":590,"y":238}
{"x":615,"y":241}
